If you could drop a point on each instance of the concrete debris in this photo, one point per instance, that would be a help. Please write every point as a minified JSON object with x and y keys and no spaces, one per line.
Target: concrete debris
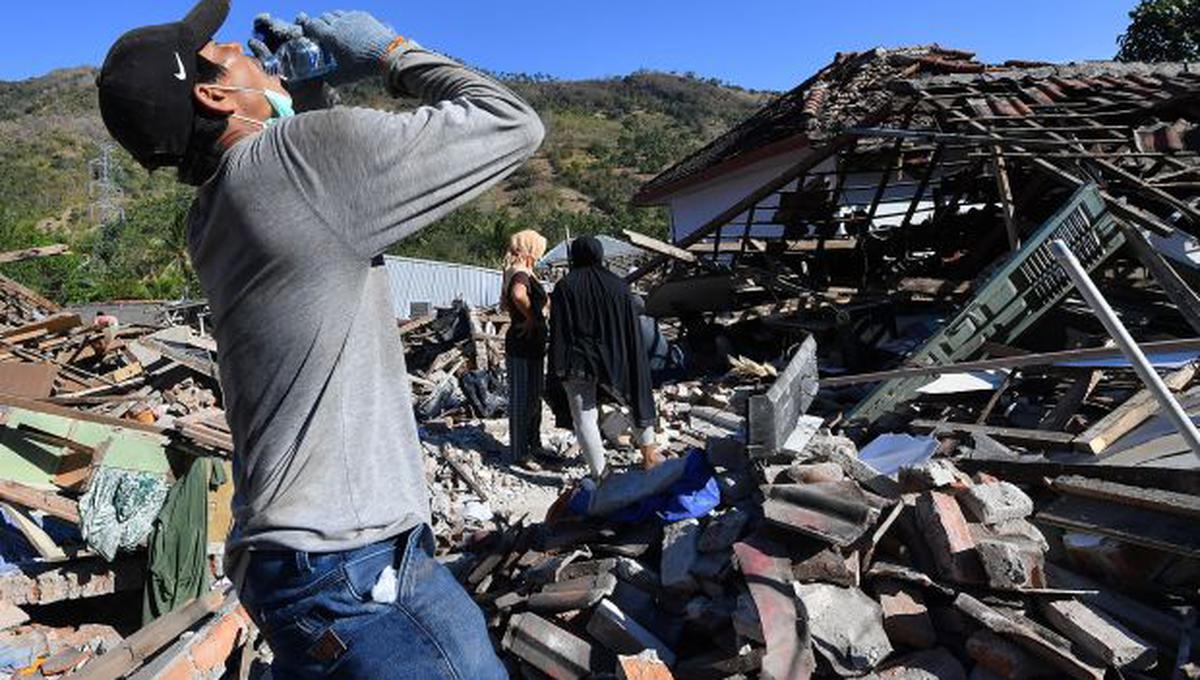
{"x":933,"y":664}
{"x":996,"y":502}
{"x":847,"y":627}
{"x":680,"y":550}
{"x":1098,"y":633}
{"x":905,"y":617}
{"x":623,"y":635}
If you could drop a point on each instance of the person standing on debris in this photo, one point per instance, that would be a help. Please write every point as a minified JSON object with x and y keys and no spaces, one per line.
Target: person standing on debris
{"x":596,"y":344}
{"x":524,"y":298}
{"x":331,"y":548}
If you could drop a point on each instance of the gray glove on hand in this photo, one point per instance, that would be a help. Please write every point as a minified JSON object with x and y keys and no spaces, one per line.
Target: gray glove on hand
{"x":356,"y":39}
{"x":309,"y":95}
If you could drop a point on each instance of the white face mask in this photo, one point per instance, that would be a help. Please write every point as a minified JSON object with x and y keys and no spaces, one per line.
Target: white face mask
{"x":281,"y":105}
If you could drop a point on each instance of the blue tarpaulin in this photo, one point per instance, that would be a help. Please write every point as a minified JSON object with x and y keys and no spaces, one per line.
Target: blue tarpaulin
{"x":694,"y":494}
{"x":887,"y":453}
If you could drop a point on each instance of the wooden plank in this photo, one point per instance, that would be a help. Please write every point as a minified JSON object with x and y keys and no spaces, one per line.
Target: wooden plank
{"x":32,"y":380}
{"x":37,"y":537}
{"x":661,"y":247}
{"x":1149,"y":451}
{"x":1185,"y":299}
{"x":1013,"y":434}
{"x":1137,"y":615}
{"x":1037,"y":471}
{"x":33,"y":253}
{"x":1172,"y":503}
{"x":152,"y":637}
{"x":1128,"y":524}
{"x":57,"y":323}
{"x":413,"y":324}
{"x":1042,"y":359}
{"x":1070,"y":401}
{"x":1004,"y":189}
{"x":37,"y":499}
{"x":1136,"y":410}
{"x":1060,"y":656}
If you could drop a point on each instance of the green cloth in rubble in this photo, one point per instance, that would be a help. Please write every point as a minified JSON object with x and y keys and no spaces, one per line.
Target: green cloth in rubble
{"x":177,"y":564}
{"x":118,"y":509}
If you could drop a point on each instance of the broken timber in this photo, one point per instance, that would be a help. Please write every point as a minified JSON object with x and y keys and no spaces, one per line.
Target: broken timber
{"x":1016,"y":296}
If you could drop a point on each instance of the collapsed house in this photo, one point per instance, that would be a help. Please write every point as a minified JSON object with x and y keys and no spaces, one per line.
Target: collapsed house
{"x":902,"y":446}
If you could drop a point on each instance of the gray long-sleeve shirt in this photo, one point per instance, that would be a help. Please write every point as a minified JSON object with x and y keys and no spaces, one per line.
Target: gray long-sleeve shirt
{"x":283,"y":239}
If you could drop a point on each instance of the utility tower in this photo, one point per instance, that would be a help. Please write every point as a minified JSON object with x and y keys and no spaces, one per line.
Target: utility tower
{"x":103,"y":190}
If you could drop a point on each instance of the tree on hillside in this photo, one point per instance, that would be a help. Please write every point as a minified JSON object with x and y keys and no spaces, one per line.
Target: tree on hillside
{"x":1162,"y":30}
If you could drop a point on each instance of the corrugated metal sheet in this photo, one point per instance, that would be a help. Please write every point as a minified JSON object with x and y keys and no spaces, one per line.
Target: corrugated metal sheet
{"x":439,"y":284}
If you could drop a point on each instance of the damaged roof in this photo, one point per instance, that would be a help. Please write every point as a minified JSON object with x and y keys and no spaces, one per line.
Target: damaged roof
{"x":858,"y":85}
{"x":846,"y":89}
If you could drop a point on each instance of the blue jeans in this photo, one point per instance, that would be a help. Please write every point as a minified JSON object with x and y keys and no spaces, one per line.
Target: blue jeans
{"x":316,"y":612}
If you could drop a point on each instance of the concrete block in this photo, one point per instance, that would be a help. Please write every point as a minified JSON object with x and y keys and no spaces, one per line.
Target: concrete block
{"x":949,"y":537}
{"x":935,"y":473}
{"x":621,"y":634}
{"x":1020,"y":528}
{"x":1012,"y":563}
{"x":996,"y":502}
{"x":723,"y":530}
{"x":772,"y":415}
{"x":680,"y":551}
{"x":905,"y":616}
{"x":846,"y":626}
{"x":1100,"y":634}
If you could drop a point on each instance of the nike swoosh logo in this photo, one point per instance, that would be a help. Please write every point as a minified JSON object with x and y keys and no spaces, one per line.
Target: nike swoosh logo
{"x":182,"y":75}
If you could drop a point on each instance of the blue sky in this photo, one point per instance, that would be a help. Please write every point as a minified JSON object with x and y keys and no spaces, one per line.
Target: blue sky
{"x":762,"y":44}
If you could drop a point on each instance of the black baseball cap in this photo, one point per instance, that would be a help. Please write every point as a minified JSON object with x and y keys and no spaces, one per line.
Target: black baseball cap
{"x":146,"y":84}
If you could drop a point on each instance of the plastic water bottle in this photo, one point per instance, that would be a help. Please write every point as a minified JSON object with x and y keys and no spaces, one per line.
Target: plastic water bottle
{"x":300,"y":59}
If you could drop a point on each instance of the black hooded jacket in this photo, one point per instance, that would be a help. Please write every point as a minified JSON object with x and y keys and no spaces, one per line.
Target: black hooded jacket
{"x":595,"y":334}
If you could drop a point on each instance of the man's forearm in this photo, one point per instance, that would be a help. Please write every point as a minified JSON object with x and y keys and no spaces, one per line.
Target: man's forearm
{"x":413,"y":71}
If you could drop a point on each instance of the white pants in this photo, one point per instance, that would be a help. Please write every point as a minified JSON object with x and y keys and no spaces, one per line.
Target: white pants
{"x":581,"y":397}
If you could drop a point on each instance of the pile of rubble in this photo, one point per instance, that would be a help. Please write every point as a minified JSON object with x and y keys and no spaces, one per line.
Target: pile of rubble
{"x":807,"y":562}
{"x":100,"y":421}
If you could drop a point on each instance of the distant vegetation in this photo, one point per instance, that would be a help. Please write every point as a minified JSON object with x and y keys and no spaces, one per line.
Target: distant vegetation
{"x":605,"y":137}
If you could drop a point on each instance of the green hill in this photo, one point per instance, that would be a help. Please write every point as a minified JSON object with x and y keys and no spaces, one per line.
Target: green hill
{"x":604,"y":138}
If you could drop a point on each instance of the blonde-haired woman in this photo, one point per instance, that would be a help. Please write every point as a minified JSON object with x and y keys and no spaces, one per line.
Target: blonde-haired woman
{"x":525,"y":300}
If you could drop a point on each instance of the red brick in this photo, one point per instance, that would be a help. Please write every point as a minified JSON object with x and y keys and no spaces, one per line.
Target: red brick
{"x":905,"y":616}
{"x":949,"y":537}
{"x":642,"y":668}
{"x":218,"y":642}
